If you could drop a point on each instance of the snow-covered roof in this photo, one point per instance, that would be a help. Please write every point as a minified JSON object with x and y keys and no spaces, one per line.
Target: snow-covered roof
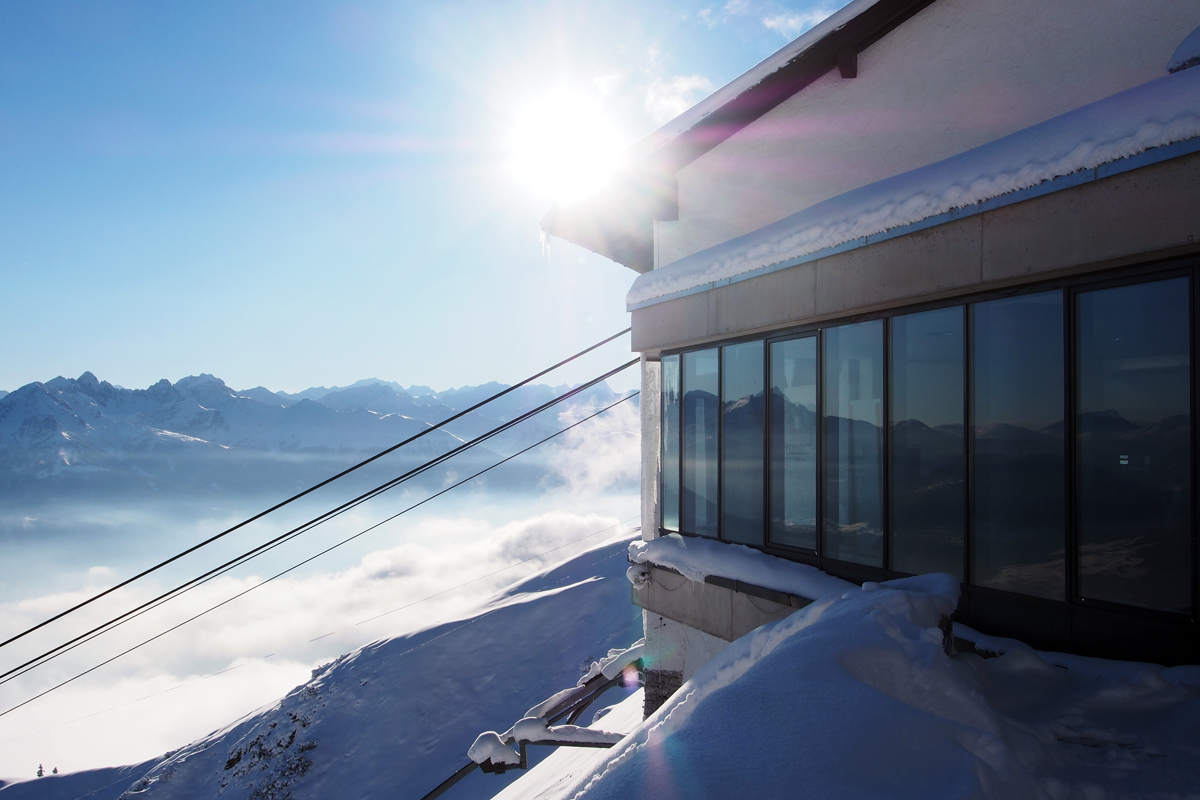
{"x":1146,"y":124}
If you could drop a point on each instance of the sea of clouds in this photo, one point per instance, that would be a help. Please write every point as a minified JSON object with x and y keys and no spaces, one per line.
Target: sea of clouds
{"x":415,"y":571}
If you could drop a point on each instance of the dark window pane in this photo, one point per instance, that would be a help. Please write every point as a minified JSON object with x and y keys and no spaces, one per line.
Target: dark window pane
{"x":853,"y":412}
{"x":699,"y":496}
{"x":927,"y":455}
{"x":1134,"y":439}
{"x":1018,"y":494}
{"x":794,"y":442}
{"x":742,"y":434}
{"x":670,"y":442}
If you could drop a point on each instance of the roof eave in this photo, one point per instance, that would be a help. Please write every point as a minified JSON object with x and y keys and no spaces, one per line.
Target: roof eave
{"x":618,"y":222}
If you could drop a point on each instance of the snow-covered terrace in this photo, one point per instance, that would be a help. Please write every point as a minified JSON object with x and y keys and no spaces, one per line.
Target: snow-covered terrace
{"x":1148,"y":124}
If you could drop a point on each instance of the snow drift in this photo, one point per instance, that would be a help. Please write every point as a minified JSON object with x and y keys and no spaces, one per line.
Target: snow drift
{"x":697,"y":558}
{"x":855,"y":696}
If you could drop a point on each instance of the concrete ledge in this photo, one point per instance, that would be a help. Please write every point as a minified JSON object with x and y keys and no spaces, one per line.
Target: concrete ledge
{"x":719,"y":607}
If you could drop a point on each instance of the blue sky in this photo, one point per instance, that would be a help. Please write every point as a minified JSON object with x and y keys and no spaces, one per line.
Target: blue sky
{"x":296,"y":193}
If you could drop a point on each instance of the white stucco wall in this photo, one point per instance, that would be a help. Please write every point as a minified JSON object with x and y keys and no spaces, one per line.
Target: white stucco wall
{"x":959,"y":74}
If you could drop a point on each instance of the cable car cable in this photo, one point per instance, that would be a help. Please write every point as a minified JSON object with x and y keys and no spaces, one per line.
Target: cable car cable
{"x":534,"y":557}
{"x":87,"y":636}
{"x":307,"y":491}
{"x":312,"y":558}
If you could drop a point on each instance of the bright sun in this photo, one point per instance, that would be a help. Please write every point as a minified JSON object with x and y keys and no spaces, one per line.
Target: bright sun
{"x":564,"y":146}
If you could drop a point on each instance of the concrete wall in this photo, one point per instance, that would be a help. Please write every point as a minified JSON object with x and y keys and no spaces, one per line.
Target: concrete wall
{"x":957,"y":75}
{"x":1124,"y":219}
{"x":675,"y":647}
{"x":715,"y":610}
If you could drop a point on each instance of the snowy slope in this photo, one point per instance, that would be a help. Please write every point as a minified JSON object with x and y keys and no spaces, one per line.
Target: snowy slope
{"x":396,"y":717}
{"x":855,"y":697}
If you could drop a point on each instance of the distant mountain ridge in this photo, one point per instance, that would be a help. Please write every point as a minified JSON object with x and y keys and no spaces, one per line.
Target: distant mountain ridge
{"x":198,"y":432}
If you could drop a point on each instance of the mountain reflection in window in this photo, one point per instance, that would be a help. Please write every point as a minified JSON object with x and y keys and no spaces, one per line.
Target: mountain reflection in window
{"x":928,"y":460}
{"x":743,"y":434}
{"x":1017,"y":408}
{"x":853,"y":410}
{"x":1134,"y":445}
{"x":700,"y":409}
{"x":794,"y":442}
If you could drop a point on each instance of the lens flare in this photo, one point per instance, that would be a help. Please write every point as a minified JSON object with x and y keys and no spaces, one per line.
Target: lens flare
{"x":564,"y":146}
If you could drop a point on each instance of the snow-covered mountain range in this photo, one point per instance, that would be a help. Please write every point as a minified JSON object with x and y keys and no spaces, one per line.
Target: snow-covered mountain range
{"x":74,"y":435}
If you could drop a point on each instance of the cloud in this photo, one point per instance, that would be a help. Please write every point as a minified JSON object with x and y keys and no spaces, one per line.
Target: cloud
{"x":667,"y":99}
{"x":603,"y":454}
{"x":775,"y":17}
{"x":255,"y":649}
{"x":792,"y":24}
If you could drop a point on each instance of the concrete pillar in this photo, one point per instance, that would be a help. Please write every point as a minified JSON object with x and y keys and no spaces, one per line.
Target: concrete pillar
{"x":650,"y":398}
{"x":673,"y":654}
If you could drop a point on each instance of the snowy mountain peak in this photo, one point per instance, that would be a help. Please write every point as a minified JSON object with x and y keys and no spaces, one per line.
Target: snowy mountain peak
{"x":200,"y":434}
{"x":202,"y":382}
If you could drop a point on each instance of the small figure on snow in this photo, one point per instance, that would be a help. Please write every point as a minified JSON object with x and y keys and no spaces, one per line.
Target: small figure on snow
{"x":54,"y":771}
{"x":41,"y":771}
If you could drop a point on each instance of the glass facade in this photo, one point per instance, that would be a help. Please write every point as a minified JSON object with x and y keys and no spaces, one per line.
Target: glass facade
{"x":794,"y":443}
{"x":1133,"y":440}
{"x":1037,"y":444}
{"x":853,"y":427}
{"x":1018,"y":458}
{"x":698,"y":506}
{"x":928,"y":452}
{"x":743,"y":438}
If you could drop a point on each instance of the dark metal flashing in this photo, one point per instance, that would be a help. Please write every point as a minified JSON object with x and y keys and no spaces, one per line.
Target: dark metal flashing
{"x":618,"y":223}
{"x":775,"y":596}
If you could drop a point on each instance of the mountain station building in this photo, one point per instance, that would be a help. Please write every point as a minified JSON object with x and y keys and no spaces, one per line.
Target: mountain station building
{"x":918,"y":293}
